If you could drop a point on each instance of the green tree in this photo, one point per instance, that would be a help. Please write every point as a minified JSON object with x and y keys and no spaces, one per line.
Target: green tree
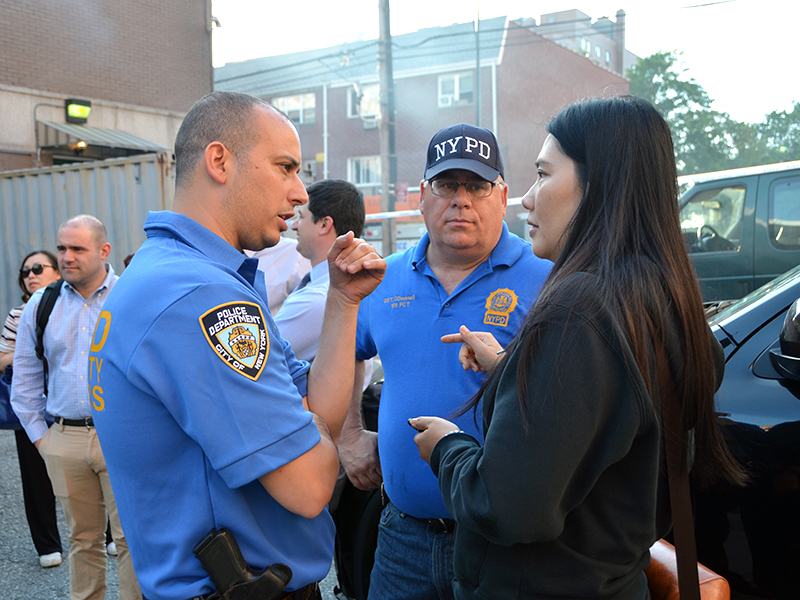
{"x":780,"y":135}
{"x":701,"y":135}
{"x":705,"y":139}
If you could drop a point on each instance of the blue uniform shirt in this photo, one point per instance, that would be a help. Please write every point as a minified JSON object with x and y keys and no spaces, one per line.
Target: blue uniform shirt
{"x":195,"y":396}
{"x":403,"y":321}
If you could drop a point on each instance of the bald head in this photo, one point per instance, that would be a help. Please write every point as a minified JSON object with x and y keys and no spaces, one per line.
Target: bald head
{"x":91,"y":223}
{"x":82,"y":251}
{"x":226,"y":117}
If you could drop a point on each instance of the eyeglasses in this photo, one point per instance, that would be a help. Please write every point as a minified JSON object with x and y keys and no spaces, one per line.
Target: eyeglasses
{"x":35,"y":269}
{"x":447,"y":188}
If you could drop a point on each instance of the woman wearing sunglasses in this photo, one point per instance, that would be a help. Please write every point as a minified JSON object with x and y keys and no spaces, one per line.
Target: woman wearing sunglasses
{"x":39,"y":269}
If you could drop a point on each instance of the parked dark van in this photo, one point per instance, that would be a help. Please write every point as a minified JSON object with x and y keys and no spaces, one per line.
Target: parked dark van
{"x":742,"y":227}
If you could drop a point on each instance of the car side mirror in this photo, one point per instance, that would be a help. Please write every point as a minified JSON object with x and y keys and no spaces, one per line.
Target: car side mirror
{"x":786,"y":360}
{"x":786,"y":366}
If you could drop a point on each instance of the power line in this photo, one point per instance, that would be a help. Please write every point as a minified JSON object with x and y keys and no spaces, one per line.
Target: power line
{"x":709,"y":4}
{"x":358,"y":59}
{"x":371,"y":59}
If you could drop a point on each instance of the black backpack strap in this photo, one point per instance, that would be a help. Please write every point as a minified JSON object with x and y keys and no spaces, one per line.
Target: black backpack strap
{"x":43,"y":311}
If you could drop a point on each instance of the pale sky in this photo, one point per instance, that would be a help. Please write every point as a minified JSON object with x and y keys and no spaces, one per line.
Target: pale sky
{"x":743,"y":52}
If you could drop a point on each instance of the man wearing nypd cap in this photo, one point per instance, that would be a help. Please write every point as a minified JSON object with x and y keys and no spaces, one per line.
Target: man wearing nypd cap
{"x":466,"y":270}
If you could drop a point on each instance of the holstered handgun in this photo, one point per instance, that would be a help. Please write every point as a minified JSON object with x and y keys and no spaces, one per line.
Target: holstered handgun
{"x":220,"y":556}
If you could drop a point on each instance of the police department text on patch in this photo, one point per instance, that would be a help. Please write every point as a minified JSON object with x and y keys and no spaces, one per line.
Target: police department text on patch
{"x":238,"y":335}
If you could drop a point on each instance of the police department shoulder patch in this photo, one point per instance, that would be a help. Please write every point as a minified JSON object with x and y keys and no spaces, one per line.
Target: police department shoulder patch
{"x":238,"y":335}
{"x":499,"y":305}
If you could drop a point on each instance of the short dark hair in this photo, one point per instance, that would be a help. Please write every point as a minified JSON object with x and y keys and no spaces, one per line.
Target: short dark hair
{"x":221,"y":116}
{"x":51,"y":258}
{"x":341,"y":201}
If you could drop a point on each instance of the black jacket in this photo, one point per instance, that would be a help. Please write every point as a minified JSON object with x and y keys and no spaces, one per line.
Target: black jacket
{"x":569,"y":507}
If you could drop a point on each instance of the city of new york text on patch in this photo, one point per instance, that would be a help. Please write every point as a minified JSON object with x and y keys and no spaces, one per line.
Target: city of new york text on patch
{"x":237,"y":333}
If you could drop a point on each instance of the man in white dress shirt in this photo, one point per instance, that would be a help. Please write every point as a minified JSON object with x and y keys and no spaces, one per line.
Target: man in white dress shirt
{"x":334,"y":208}
{"x":283,"y":267}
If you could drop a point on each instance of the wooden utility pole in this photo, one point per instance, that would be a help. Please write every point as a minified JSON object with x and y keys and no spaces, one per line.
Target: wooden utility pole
{"x":386,"y":128}
{"x":477,"y":91}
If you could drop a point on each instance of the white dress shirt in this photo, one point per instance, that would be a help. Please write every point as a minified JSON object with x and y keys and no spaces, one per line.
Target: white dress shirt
{"x":67,"y":340}
{"x":283,"y":269}
{"x":300,"y":318}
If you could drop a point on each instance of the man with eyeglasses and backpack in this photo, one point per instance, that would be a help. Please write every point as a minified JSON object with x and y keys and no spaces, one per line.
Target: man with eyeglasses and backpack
{"x":466,"y":270}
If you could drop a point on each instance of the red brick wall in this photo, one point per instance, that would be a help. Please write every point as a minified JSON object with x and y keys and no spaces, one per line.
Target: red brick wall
{"x":417,"y":119}
{"x":11,"y":161}
{"x":152,"y":53}
{"x":536,"y":79}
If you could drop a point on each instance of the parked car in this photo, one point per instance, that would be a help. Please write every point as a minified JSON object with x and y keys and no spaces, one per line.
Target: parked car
{"x":752,"y":535}
{"x":742,"y":227}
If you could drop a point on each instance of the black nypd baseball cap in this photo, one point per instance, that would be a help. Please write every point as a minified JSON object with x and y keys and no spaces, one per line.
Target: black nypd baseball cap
{"x":467,"y":147}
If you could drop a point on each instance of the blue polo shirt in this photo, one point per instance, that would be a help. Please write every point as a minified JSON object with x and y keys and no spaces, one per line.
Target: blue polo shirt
{"x":196,"y":395}
{"x":403,"y":321}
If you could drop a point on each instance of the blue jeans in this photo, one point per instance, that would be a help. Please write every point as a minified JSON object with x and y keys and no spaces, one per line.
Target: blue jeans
{"x":412,"y":561}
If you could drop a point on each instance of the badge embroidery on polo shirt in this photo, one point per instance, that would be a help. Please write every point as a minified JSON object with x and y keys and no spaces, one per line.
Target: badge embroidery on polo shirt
{"x":238,"y":335}
{"x":499,"y":305}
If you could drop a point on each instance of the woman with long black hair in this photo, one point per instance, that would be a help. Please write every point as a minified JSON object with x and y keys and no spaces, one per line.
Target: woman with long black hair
{"x":568,"y":491}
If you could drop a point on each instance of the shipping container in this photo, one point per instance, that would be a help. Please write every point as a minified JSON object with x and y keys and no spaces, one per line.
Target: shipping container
{"x":119,"y":192}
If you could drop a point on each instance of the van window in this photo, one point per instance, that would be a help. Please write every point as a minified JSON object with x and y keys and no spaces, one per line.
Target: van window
{"x":784,"y":213}
{"x":711,"y":220}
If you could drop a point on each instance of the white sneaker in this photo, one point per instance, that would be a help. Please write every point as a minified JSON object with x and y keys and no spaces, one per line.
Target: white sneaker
{"x":111,"y":549}
{"x":50,"y":560}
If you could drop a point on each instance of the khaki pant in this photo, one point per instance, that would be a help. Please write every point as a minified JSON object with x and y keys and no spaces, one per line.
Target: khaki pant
{"x":78,"y":472}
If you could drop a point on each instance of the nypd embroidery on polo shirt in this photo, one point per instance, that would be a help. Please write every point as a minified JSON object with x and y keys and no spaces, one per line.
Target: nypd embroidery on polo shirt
{"x":499,"y":305}
{"x":238,"y":335}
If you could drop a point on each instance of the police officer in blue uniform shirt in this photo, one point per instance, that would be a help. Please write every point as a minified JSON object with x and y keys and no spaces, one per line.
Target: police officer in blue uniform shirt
{"x":469,"y":270}
{"x":207,"y":419}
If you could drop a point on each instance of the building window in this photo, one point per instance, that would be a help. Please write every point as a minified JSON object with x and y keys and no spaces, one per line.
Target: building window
{"x":455,"y":89}
{"x":370,"y":101}
{"x":300,"y":108}
{"x":784,"y":213}
{"x":608,"y":56}
{"x":597,"y":51}
{"x":364,"y":170}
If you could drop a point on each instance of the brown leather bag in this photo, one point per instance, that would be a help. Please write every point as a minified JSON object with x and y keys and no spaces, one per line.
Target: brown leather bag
{"x":662,"y":576}
{"x":675,"y":572}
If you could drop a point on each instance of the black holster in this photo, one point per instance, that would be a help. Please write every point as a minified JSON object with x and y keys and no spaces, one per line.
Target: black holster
{"x":221,"y":557}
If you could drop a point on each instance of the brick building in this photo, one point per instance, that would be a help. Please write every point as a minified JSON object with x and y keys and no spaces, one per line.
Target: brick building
{"x":525,"y":78}
{"x":141,"y":64}
{"x":602,"y":41}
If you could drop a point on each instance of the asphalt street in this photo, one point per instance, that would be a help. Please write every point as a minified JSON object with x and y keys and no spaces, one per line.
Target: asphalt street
{"x":21,"y":577}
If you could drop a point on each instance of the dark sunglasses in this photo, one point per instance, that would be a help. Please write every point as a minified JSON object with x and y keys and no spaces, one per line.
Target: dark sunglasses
{"x":35,"y":269}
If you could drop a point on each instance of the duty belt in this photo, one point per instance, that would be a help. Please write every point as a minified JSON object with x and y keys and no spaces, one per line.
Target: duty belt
{"x":308,"y":592}
{"x":439,"y":525}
